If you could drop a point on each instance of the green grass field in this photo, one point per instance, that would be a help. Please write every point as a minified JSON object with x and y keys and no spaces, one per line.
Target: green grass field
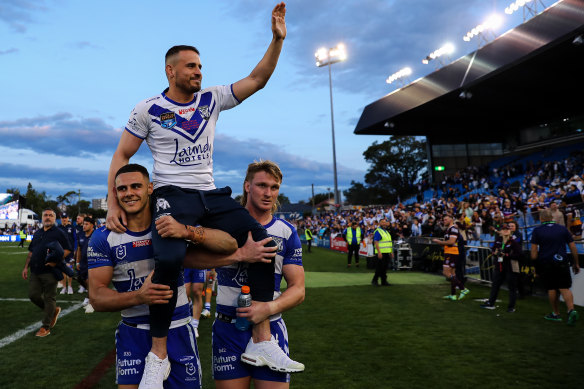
{"x":347,"y":333}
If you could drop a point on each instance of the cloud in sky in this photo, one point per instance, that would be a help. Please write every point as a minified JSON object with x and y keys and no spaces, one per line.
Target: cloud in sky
{"x":9,"y":51}
{"x":90,"y":142}
{"x":18,"y":13}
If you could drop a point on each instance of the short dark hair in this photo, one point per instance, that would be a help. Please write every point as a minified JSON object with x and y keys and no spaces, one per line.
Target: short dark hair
{"x":176,"y":49}
{"x":88,"y":219}
{"x":132,"y":168}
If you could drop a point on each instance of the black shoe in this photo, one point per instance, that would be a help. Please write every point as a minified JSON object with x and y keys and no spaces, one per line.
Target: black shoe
{"x":510,"y":310}
{"x":374,"y":283}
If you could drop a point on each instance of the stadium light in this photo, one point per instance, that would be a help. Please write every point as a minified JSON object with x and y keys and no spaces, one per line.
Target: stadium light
{"x":405,"y":72}
{"x":447,"y":49}
{"x":329,"y":57}
{"x":492,"y":23}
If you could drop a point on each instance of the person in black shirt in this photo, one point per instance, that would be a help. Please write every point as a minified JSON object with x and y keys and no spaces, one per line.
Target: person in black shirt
{"x":42,"y":283}
{"x":548,"y":247}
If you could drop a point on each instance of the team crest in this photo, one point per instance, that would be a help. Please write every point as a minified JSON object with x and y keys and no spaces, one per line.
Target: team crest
{"x":167,"y":120}
{"x":204,"y":111}
{"x":191,"y":368}
{"x":121,"y":252}
{"x":279,"y":242}
{"x":161,"y":204}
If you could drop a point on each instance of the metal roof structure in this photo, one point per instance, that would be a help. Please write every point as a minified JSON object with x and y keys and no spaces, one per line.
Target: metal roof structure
{"x":531,"y":75}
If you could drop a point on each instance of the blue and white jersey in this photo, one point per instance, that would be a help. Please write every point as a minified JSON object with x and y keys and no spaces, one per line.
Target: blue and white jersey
{"x":180,"y":136}
{"x":131,"y":256}
{"x":231,"y":278}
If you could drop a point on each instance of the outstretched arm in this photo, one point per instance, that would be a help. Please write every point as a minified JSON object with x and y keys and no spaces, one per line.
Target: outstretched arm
{"x":260,"y":75}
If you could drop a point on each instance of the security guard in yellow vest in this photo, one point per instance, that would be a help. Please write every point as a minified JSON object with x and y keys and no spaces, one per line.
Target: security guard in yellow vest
{"x":308,"y":235}
{"x":22,"y":238}
{"x":384,"y":250}
{"x":353,"y":238}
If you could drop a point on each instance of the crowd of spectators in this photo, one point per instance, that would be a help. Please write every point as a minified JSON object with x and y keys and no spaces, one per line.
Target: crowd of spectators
{"x":480,"y":199}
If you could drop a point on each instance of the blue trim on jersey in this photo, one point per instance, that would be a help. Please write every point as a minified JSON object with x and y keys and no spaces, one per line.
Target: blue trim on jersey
{"x":176,"y":103}
{"x":233,"y":93}
{"x":136,"y":135}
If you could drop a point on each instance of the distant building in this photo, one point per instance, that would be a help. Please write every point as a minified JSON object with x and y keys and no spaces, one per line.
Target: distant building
{"x":99,"y":204}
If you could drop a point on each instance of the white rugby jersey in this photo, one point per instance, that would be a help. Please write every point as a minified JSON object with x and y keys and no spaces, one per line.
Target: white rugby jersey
{"x":180,"y":136}
{"x":231,"y":278}
{"x":131,"y":256}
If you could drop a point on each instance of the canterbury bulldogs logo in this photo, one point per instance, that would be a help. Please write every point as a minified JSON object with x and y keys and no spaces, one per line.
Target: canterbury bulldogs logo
{"x":161,"y":204}
{"x":168,"y":120}
{"x":204,"y":111}
{"x":279,"y":242}
{"x":191,"y":368}
{"x":121,"y":252}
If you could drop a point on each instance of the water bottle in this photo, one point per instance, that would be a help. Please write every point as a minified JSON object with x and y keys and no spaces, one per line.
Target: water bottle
{"x":244,"y":300}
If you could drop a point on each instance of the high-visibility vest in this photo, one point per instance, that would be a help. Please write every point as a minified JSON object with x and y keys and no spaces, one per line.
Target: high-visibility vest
{"x":308,"y":234}
{"x":385,"y":244}
{"x":22,"y":235}
{"x":350,"y":235}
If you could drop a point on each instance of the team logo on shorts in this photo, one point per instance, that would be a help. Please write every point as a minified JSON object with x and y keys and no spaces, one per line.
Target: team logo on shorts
{"x":121,"y":252}
{"x":191,"y":368}
{"x":161,"y":204}
{"x":204,"y":111}
{"x":168,"y":120}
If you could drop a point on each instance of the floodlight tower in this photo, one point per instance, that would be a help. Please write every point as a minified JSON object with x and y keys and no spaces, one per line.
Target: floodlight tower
{"x":439,"y":55}
{"x":529,"y":8}
{"x":401,"y":76}
{"x":329,"y":57}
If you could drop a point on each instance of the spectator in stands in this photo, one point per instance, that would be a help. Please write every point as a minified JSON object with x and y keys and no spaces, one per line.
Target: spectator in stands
{"x":573,"y":195}
{"x":416,"y":229}
{"x":507,"y":252}
{"x":508,"y":210}
{"x":557,"y":215}
{"x":548,"y":247}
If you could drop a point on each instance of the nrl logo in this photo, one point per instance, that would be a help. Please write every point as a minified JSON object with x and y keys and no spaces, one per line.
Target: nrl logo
{"x":168,"y":120}
{"x":204,"y":111}
{"x":121,"y":252}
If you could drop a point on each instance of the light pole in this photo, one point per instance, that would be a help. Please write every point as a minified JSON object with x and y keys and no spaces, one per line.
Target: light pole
{"x":328,"y":57}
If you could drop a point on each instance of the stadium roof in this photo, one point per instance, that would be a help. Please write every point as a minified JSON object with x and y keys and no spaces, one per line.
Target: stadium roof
{"x":531,"y":75}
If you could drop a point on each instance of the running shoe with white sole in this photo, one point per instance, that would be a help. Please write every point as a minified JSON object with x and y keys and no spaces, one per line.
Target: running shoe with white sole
{"x":205,"y":313}
{"x":156,"y":370}
{"x":268,"y":353}
{"x":463,"y":293}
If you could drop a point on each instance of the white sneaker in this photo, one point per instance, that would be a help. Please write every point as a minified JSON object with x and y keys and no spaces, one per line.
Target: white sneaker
{"x":69,"y":290}
{"x":196,"y":332}
{"x":63,"y":291}
{"x":269,"y":353}
{"x":81,"y":289}
{"x":156,"y":370}
{"x":205,"y":313}
{"x":60,"y":285}
{"x":85,"y":302}
{"x":89,"y":309}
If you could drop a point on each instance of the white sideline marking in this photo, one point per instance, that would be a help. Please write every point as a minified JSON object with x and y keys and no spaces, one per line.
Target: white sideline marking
{"x":16,"y":253}
{"x":33,"y":327}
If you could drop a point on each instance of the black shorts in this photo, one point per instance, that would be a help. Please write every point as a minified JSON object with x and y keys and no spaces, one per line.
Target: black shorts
{"x":555,"y":276}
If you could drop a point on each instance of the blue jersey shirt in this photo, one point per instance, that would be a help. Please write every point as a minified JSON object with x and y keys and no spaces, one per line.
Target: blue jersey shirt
{"x":131,"y":255}
{"x":552,"y":239}
{"x":231,"y":278}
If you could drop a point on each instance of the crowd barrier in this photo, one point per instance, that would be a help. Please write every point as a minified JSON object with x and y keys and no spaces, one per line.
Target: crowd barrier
{"x":13,"y":238}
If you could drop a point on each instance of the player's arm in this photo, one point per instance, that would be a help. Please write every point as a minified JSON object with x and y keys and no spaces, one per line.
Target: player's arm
{"x":291,"y":297}
{"x":199,"y":258}
{"x":25,"y":270}
{"x":127,"y":147}
{"x":105,"y":299}
{"x":534,"y":251}
{"x":211,"y":239}
{"x":260,"y":75}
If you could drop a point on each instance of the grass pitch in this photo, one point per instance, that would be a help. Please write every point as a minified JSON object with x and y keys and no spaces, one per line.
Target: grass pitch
{"x":347,"y":333}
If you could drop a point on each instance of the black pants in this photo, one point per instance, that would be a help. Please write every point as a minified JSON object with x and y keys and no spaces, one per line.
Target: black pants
{"x":353,"y":248}
{"x":460,"y":269}
{"x":309,"y":243}
{"x":381,"y":268}
{"x":504,"y":273}
{"x":213,"y":209}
